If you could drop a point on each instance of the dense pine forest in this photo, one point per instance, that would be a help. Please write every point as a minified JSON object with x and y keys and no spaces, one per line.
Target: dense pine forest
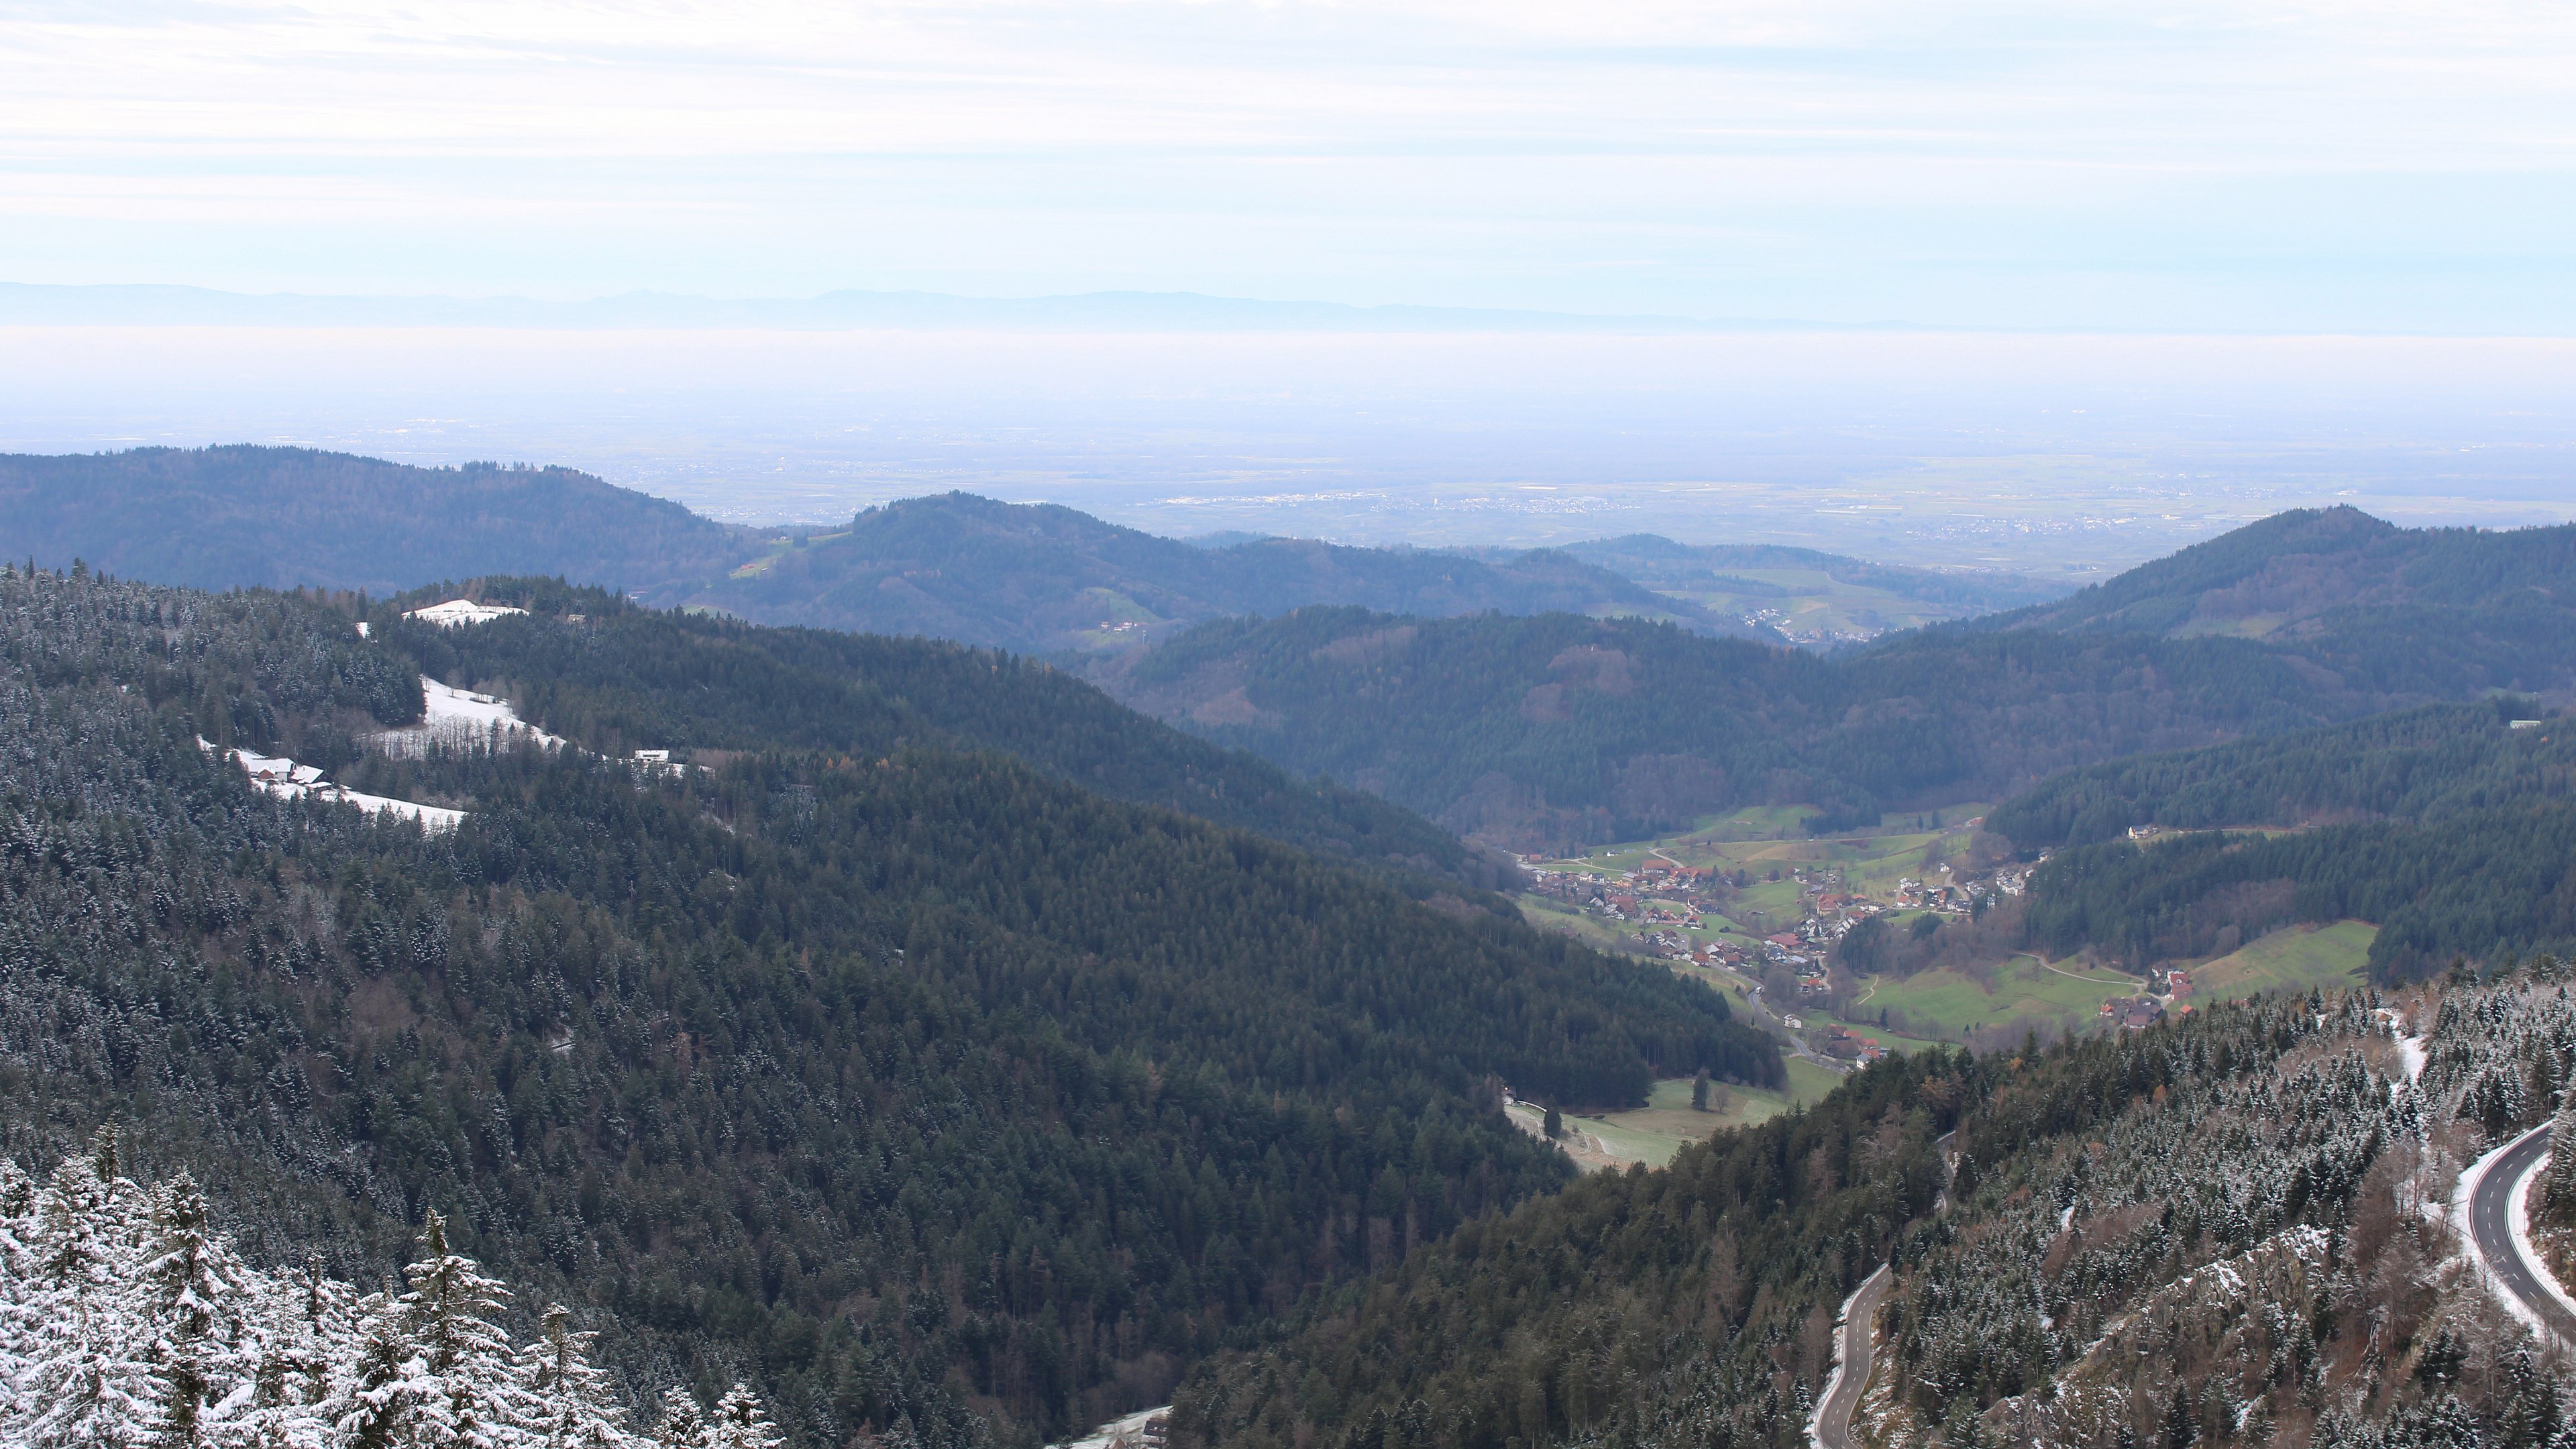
{"x":2208,"y":1233}
{"x":921,"y":1089}
{"x":2450,"y":828}
{"x":627,"y":678}
{"x":1555,"y":730}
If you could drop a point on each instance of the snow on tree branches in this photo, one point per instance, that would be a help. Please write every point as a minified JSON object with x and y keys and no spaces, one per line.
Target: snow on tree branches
{"x":126,"y":1321}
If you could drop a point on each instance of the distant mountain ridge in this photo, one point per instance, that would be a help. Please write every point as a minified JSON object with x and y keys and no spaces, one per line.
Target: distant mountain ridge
{"x":1659,"y":562}
{"x":1044,"y":577}
{"x":1028,"y":577}
{"x":241,"y":516}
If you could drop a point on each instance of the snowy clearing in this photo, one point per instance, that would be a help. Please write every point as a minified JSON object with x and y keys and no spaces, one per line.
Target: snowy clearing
{"x":461,"y":611}
{"x":1126,"y":1433}
{"x":463,"y":719}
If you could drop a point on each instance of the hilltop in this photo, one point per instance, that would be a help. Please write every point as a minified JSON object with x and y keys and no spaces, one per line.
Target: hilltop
{"x":1038,"y":577}
{"x":245,"y":517}
{"x":2324,"y":579}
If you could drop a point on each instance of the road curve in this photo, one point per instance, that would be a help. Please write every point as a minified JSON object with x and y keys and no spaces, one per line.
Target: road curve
{"x":1832,"y":1428}
{"x":2491,"y":1224}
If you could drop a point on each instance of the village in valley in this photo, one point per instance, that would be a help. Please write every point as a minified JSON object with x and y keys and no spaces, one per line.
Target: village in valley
{"x":1756,"y":907}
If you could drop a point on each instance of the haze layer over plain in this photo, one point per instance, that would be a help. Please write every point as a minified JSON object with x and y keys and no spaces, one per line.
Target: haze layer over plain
{"x":2030,"y":450}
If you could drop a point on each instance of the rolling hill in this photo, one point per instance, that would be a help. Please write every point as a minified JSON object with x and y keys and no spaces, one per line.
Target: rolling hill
{"x":1031,"y":578}
{"x":2451,"y":830}
{"x":245,"y":517}
{"x":1545,"y":732}
{"x":1037,"y":577}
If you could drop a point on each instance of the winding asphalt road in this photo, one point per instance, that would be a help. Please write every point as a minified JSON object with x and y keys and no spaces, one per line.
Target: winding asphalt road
{"x":2491,"y":1224}
{"x":1851,"y":1367}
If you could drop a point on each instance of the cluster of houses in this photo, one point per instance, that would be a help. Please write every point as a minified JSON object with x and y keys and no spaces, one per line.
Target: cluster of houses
{"x":284,"y":778}
{"x":1658,"y":893}
{"x":1848,"y":1045}
{"x":2165,"y":990}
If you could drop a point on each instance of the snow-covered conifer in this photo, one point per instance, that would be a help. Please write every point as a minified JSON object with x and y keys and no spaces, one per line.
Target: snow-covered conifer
{"x":573,"y":1409}
{"x":2558,"y":1188}
{"x":740,"y":1422}
{"x":85,"y":1370}
{"x":684,"y":1425}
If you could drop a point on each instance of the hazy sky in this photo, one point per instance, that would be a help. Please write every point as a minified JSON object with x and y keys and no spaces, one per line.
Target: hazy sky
{"x":2319,"y":167}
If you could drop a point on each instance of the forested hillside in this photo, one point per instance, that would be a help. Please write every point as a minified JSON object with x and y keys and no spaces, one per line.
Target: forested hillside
{"x":1041,"y":577}
{"x":595,"y":668}
{"x":2206,"y":1233}
{"x":932,"y":1095}
{"x":2343,"y":585}
{"x":2451,"y":830}
{"x":245,"y":517}
{"x":1549,"y":732}
{"x":2414,"y":764}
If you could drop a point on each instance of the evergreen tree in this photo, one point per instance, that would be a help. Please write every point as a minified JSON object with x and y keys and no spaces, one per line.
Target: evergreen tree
{"x":193,"y":1298}
{"x":739,"y":1422}
{"x":466,"y":1392}
{"x":684,"y":1424}
{"x":2558,"y":1187}
{"x":572,"y":1404}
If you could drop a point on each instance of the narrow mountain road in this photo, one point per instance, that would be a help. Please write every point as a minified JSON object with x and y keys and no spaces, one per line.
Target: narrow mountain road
{"x":1832,"y":1429}
{"x":2071,"y":976}
{"x":2491,"y":1224}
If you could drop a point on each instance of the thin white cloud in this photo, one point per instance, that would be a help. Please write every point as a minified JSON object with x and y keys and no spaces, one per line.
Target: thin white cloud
{"x":1502,"y":153}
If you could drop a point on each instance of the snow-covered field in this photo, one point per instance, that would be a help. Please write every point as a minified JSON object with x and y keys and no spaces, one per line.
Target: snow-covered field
{"x":461,"y":718}
{"x":461,"y":611}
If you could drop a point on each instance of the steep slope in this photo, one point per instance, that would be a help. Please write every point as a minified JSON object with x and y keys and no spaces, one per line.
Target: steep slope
{"x":598,"y":669}
{"x":237,"y":517}
{"x":1041,"y":577}
{"x":2206,"y":1233}
{"x":2421,"y":764}
{"x":1548,"y":732}
{"x":2337,"y":582}
{"x":2456,"y":835}
{"x":937,"y":1096}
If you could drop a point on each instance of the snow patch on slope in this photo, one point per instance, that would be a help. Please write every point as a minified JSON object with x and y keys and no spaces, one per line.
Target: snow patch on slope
{"x":462,"y":719}
{"x":457,"y":612}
